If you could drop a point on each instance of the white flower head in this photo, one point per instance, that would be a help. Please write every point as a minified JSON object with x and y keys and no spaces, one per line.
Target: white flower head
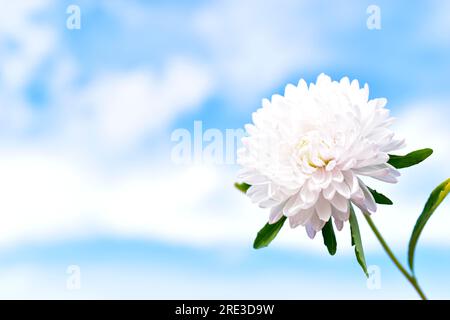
{"x":305,"y":152}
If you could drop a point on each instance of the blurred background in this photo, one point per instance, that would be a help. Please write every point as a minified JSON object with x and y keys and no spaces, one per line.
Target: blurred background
{"x":92,"y":203}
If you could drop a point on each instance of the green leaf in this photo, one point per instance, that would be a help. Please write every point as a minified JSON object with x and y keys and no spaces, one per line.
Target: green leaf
{"x":410,"y":159}
{"x":379,"y":197}
{"x":329,"y":239}
{"x":356,"y":241}
{"x":242,"y":186}
{"x":268,"y":233}
{"x":435,"y":199}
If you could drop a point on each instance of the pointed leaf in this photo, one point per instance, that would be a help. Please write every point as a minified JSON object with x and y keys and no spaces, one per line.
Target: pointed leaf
{"x":268,"y":233}
{"x":242,"y":186}
{"x":356,"y":241}
{"x":435,"y":199}
{"x":379,"y":197}
{"x":329,"y":239}
{"x":410,"y":159}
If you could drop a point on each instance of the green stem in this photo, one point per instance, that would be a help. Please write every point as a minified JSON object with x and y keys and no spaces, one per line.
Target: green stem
{"x":391,"y":255}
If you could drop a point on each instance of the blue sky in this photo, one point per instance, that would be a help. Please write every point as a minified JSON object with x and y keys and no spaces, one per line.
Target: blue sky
{"x":86,"y":118}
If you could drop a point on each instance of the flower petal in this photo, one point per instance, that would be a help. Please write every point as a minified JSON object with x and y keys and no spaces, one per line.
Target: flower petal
{"x":276,"y":213}
{"x":342,"y":188}
{"x":310,"y":231}
{"x":323,"y":209}
{"x":339,"y":224}
{"x":316,"y":223}
{"x":301,"y":217}
{"x":329,"y":192}
{"x":340,"y":203}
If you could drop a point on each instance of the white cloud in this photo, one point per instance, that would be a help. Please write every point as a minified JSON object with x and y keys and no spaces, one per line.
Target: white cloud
{"x":128,"y":280}
{"x":24,"y":46}
{"x":252,"y":45}
{"x":425,"y":124}
{"x":435,"y":27}
{"x":43,"y":196}
{"x":116,"y":109}
{"x":255,"y":45}
{"x":121,"y":108}
{"x":26,"y":42}
{"x":47,"y":197}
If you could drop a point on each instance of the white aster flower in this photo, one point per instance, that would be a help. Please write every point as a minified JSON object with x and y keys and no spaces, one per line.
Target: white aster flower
{"x":306,"y":151}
